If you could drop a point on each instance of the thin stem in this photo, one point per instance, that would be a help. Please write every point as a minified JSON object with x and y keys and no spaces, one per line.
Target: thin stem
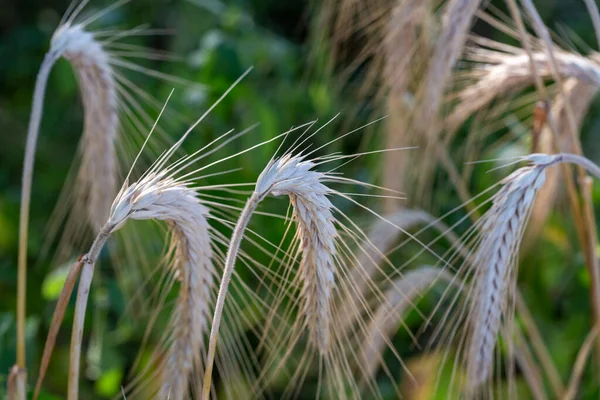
{"x":580,"y":161}
{"x":57,"y":318}
{"x":539,"y":346}
{"x":580,"y":362}
{"x":32,"y":135}
{"x":234,"y":247}
{"x":83,"y":292}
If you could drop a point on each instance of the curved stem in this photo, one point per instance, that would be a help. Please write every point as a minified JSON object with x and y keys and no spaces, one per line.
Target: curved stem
{"x":32,"y":135}
{"x":234,"y":247}
{"x":583,"y":162}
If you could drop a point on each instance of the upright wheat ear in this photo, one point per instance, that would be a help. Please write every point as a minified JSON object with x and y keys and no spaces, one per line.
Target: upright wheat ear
{"x":292,"y":176}
{"x":96,"y":178}
{"x":162,"y":198}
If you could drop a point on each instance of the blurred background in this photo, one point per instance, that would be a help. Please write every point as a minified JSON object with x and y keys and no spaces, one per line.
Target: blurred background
{"x":294,"y":80}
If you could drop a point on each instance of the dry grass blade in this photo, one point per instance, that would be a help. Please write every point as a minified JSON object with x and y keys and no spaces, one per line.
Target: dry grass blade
{"x":57,"y":318}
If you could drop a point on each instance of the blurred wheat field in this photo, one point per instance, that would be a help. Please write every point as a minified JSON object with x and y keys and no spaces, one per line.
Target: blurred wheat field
{"x":347,"y":199}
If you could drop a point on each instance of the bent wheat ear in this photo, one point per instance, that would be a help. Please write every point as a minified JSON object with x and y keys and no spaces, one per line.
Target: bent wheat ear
{"x":96,"y":182}
{"x":167,"y":200}
{"x":503,"y":228}
{"x":163,"y":198}
{"x":97,"y":177}
{"x":494,"y":263}
{"x":292,"y":176}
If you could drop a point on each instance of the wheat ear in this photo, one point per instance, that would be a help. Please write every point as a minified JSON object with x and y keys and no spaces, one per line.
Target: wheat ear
{"x":292,"y":176}
{"x":96,"y":180}
{"x":162,"y":198}
{"x":495,"y":258}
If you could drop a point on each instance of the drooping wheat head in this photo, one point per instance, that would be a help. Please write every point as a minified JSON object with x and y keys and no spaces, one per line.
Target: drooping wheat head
{"x":488,"y":303}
